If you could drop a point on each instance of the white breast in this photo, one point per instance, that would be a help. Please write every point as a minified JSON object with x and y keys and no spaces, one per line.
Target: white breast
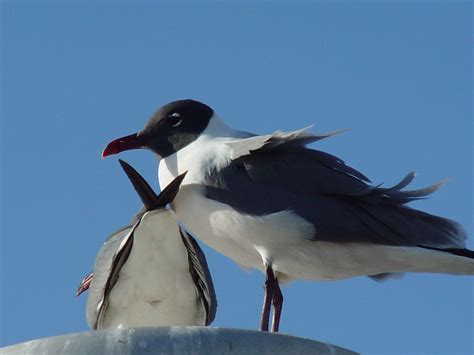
{"x":154,"y":286}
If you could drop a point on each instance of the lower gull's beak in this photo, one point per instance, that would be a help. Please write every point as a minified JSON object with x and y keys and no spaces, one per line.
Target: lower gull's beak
{"x":132,"y":141}
{"x":85,"y":283}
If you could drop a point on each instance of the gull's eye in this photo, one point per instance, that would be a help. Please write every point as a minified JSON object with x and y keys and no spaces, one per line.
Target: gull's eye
{"x":174,"y":120}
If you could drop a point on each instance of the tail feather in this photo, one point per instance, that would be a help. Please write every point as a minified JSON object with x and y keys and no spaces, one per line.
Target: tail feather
{"x":395,"y":195}
{"x":398,"y":259}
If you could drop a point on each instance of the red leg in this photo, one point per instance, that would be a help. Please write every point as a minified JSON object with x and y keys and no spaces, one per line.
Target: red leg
{"x":277,"y":302}
{"x":268,"y":287}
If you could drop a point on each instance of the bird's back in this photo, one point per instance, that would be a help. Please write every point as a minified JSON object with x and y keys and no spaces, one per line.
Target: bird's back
{"x":154,"y":286}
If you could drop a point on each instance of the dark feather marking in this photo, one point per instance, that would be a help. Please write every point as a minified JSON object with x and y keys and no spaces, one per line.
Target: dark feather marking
{"x":118,"y":260}
{"x":200,"y":274}
{"x":387,"y":276}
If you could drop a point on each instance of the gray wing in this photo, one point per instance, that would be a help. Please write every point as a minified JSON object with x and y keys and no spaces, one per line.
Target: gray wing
{"x":109,"y":261}
{"x":200,"y":273}
{"x":277,"y":172}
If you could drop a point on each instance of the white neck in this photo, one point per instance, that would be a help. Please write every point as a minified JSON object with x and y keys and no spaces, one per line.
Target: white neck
{"x":218,"y":128}
{"x":206,"y":151}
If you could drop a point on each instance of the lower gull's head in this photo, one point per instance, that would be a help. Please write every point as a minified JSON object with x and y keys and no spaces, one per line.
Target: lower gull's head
{"x":171,"y":128}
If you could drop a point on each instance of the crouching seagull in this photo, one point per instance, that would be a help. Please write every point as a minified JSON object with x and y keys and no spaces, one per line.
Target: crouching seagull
{"x":152,"y":272}
{"x":269,"y":202}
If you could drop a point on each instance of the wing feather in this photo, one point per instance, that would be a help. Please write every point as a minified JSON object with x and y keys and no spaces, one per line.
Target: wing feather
{"x":108,"y":263}
{"x":200,"y":273}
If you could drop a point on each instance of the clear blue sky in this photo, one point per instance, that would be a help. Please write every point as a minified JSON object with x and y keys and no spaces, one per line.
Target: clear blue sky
{"x":398,"y":74}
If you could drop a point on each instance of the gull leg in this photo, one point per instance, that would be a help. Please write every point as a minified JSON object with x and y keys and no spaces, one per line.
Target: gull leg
{"x":268,"y":287}
{"x":277,"y":302}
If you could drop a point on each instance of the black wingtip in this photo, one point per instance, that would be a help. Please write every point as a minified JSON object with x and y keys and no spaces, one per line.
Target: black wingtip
{"x":169,"y":193}
{"x":146,"y":193}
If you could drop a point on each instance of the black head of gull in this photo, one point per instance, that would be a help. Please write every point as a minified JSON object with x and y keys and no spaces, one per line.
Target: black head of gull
{"x":171,"y":128}
{"x":131,"y":287}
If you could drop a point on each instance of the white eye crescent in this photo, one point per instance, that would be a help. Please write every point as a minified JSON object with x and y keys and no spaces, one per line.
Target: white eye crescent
{"x":174,"y":119}
{"x":177,"y":123}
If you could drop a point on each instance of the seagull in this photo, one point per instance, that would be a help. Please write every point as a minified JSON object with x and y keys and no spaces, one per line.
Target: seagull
{"x":151,"y":272}
{"x":271,"y":203}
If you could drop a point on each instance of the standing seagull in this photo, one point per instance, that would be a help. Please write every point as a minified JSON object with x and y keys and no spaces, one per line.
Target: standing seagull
{"x":269,"y":202}
{"x":150,"y":273}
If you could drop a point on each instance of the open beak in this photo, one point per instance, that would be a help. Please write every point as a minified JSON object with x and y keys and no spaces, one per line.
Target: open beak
{"x":132,"y":141}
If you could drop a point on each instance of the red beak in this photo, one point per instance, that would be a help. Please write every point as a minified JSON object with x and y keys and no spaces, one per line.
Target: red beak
{"x":125,"y":143}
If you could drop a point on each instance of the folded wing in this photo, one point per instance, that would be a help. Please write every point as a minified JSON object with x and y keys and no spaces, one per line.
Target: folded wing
{"x":278,"y":172}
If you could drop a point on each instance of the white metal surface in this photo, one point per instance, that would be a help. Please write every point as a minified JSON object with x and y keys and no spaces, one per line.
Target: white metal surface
{"x":174,"y":340}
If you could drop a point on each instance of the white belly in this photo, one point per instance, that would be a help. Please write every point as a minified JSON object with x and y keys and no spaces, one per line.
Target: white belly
{"x":247,"y":240}
{"x":154,"y":287}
